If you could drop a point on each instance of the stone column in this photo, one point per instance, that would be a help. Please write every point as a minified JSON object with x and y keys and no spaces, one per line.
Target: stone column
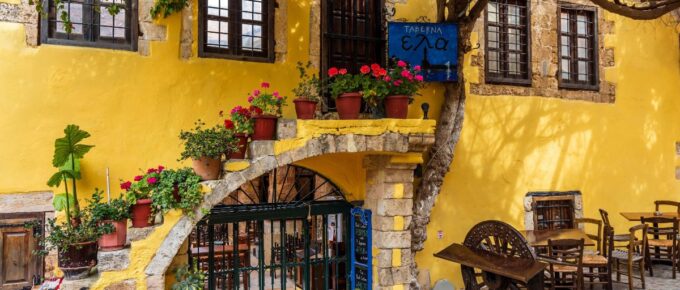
{"x":389,"y":195}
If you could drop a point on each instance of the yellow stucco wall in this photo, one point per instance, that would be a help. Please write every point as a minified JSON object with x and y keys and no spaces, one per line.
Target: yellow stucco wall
{"x":621,"y":156}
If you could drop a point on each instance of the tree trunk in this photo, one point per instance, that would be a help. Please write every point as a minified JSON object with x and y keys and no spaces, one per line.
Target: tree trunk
{"x":447,"y":134}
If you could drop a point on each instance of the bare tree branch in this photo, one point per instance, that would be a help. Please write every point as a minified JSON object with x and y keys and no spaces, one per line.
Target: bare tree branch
{"x":642,"y":10}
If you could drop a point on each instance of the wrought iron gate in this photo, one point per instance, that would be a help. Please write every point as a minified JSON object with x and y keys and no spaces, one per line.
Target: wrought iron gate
{"x":287,"y":229}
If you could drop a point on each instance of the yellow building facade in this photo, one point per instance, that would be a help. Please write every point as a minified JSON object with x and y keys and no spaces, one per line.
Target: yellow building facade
{"x":617,"y":146}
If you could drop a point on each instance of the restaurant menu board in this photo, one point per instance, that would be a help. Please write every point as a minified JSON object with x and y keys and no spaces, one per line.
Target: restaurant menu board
{"x":361,"y":249}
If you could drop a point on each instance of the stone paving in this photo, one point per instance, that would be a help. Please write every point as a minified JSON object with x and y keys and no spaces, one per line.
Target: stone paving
{"x":662,"y":280}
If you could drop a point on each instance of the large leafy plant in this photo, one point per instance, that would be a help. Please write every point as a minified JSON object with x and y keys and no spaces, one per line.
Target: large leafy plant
{"x":207,"y":142}
{"x":66,"y":159}
{"x":265,"y":103}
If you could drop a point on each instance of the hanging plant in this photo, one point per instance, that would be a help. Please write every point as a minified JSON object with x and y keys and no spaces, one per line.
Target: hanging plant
{"x":167,"y":7}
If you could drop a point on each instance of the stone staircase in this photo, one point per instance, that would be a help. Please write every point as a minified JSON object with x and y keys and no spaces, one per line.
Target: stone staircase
{"x":320,"y":137}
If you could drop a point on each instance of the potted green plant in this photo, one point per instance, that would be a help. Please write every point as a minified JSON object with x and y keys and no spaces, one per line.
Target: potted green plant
{"x":138,"y":194}
{"x":205,"y":146}
{"x":405,"y":81}
{"x":114,"y":213}
{"x":76,"y":238}
{"x":307,"y":91}
{"x":241,"y":124}
{"x":178,"y":189}
{"x":346,"y":89}
{"x":189,"y":278}
{"x":375,"y":88}
{"x":265,"y":110}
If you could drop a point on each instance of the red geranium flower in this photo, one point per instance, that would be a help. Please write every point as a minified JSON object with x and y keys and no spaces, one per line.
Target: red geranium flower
{"x":332,"y":71}
{"x":160,"y":168}
{"x":401,"y":63}
{"x":228,"y":124}
{"x":125,"y":185}
{"x":151,"y":170}
{"x":255,"y":110}
{"x":342,"y":71}
{"x":365,"y":69}
{"x":375,"y":67}
{"x":138,"y":177}
{"x":265,"y":85}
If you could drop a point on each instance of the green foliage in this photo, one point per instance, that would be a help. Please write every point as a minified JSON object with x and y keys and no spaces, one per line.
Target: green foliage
{"x":265,"y":103}
{"x":209,"y":142}
{"x":167,"y":7}
{"x":189,"y":278}
{"x":309,"y":86}
{"x":67,"y":154}
{"x":116,"y":210}
{"x":188,"y":187}
{"x":59,"y":201}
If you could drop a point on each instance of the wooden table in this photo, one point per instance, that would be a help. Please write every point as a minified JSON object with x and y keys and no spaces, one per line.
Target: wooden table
{"x":527,"y":271}
{"x":540,"y":238}
{"x":635,"y":216}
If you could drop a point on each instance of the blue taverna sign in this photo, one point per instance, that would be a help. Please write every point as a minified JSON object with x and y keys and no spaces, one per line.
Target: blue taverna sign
{"x":433,"y":46}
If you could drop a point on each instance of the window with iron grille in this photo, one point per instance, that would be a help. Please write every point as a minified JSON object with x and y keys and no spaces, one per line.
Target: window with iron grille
{"x":91,"y":23}
{"x":508,"y":42}
{"x":578,"y":48}
{"x":352,"y":35}
{"x":237,"y":29}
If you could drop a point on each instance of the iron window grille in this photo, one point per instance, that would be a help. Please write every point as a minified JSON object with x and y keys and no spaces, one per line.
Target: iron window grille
{"x":578,"y":67}
{"x":237,"y":29}
{"x":508,"y":42}
{"x":92,"y":24}
{"x":353,"y":34}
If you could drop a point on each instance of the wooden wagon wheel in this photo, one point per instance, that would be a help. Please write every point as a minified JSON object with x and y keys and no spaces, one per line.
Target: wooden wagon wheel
{"x":498,"y":238}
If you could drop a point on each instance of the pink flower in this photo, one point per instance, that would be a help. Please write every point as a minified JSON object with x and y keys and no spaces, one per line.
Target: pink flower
{"x":416,"y":68}
{"x":419,"y":78}
{"x":365,"y":69}
{"x":160,"y":168}
{"x":332,"y":71}
{"x":396,"y":83}
{"x":138,"y":177}
{"x":387,"y":78}
{"x":265,"y":85}
{"x":151,"y":170}
{"x":152,"y":180}
{"x":250,"y":99}
{"x":405,"y":74}
{"x":256,"y":93}
{"x":342,"y":71}
{"x":125,"y":185}
{"x":401,"y":63}
{"x":275,"y":94}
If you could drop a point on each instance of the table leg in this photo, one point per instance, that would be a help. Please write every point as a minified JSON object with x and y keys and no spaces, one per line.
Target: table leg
{"x":536,"y":283}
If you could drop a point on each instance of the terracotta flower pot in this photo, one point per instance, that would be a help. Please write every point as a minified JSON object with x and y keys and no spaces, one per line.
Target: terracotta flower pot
{"x":348,"y":105}
{"x":141,"y":213}
{"x":264,"y":127}
{"x":305,"y":108}
{"x":115,"y":240}
{"x":207,"y":168}
{"x":77,"y":260}
{"x":242,"y":146}
{"x":396,"y":106}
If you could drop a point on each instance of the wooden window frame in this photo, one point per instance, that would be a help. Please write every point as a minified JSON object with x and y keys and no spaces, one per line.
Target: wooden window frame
{"x":235,"y":20}
{"x":594,"y":83}
{"x":503,"y":58}
{"x":131,"y":22}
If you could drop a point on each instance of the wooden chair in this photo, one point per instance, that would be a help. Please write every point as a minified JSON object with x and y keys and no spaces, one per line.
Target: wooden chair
{"x":662,"y":241}
{"x":605,"y":220}
{"x":666,"y":203}
{"x":601,"y":262}
{"x":566,"y":268}
{"x":587,"y":223}
{"x":633,"y":255}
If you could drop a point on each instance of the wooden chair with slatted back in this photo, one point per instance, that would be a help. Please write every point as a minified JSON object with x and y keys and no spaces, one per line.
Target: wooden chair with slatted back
{"x":667,"y":203}
{"x":662,"y":241}
{"x":605,"y":219}
{"x":601,"y":262}
{"x":633,"y":255}
{"x":568,"y":273}
{"x":586,"y":224}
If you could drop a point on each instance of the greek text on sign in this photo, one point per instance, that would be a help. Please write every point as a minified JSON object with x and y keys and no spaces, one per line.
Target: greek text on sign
{"x":433,"y":46}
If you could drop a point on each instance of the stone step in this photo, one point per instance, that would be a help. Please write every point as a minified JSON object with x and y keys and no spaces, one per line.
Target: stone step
{"x":258,"y":149}
{"x":80,"y":284}
{"x":286,"y":129}
{"x":136,"y":234}
{"x":113,"y":260}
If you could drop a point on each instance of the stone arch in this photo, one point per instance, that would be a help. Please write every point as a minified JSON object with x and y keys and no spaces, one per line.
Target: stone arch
{"x":406,"y":138}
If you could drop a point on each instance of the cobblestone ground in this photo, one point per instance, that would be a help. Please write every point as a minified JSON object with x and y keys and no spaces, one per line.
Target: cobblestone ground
{"x":662,"y":280}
